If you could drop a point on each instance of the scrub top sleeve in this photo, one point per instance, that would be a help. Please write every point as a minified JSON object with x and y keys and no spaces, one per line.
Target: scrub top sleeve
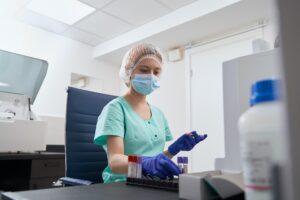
{"x":167,"y":129}
{"x":110,"y":122}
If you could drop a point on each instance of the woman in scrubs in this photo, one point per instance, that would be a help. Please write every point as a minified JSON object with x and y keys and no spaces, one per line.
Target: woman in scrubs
{"x":130,"y":125}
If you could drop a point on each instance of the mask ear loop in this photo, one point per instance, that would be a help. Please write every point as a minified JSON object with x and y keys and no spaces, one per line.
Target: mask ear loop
{"x":129,"y":83}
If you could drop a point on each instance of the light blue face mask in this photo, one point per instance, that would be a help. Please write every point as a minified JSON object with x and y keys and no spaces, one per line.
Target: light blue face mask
{"x":145,"y":83}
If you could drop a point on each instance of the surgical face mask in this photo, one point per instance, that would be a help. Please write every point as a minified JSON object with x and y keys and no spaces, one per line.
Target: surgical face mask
{"x":145,"y":83}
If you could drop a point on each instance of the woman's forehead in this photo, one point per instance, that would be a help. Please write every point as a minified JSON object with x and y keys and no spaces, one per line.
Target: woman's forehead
{"x":149,"y":63}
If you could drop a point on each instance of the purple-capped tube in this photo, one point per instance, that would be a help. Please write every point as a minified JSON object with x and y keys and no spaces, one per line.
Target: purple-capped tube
{"x":180,"y":164}
{"x":185,"y":162}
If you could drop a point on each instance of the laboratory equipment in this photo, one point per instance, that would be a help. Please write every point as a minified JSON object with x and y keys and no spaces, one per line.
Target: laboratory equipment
{"x":20,"y":80}
{"x":288,"y":173}
{"x":238,"y":75}
{"x":211,"y":185}
{"x":151,"y":182}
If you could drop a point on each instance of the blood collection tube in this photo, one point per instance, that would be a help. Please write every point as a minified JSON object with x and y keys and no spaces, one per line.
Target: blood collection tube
{"x":180,"y":164}
{"x":132,"y":166}
{"x":185,"y":163}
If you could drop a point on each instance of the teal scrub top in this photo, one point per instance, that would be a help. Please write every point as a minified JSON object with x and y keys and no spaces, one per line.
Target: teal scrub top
{"x":141,"y":137}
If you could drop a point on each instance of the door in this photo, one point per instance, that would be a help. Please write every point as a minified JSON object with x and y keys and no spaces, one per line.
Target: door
{"x":206,"y":94}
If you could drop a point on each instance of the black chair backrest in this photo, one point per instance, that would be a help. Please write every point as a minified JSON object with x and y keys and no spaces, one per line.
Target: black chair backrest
{"x":84,"y":159}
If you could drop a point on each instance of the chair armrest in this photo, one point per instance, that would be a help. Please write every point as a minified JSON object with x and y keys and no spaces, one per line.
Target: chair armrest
{"x":74,"y":181}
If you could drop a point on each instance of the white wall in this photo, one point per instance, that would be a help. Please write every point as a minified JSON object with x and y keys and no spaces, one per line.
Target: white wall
{"x":64,"y":56}
{"x":207,"y":94}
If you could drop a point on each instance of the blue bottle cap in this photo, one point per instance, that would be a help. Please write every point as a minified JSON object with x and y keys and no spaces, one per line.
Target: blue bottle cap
{"x":263,"y":91}
{"x":179,"y":159}
{"x":185,"y":160}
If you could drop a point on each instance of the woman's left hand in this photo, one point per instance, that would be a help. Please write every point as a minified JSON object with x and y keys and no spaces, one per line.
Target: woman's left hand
{"x":186,"y":142}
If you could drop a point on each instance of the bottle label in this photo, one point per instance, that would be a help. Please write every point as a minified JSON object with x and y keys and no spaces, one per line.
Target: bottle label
{"x":256,"y":158}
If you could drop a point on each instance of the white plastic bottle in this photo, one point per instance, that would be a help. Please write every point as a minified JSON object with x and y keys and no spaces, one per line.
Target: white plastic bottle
{"x":261,"y":128}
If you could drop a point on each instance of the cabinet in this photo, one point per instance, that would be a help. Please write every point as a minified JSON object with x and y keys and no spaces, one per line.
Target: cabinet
{"x":30,"y":170}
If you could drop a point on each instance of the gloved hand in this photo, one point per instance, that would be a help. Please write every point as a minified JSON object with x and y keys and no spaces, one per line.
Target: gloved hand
{"x":186,"y":142}
{"x":160,"y":166}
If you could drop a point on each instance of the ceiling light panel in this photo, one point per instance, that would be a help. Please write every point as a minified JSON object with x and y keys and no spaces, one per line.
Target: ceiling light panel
{"x":41,"y":21}
{"x":66,"y":11}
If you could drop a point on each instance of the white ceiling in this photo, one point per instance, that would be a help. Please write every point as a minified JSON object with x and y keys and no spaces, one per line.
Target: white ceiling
{"x":111,"y":18}
{"x":100,"y":26}
{"x":212,"y":25}
{"x":138,"y":13}
{"x":103,"y":25}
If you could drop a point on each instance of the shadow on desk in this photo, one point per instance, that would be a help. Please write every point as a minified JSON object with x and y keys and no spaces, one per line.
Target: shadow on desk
{"x":111,"y":191}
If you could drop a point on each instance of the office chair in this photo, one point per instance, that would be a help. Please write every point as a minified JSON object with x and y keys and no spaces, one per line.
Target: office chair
{"x":85,"y":161}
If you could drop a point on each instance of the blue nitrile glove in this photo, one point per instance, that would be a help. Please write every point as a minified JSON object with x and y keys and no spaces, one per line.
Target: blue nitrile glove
{"x":186,"y":142}
{"x":160,"y":166}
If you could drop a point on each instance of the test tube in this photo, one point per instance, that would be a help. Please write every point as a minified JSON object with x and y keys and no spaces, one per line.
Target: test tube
{"x":139,"y":167}
{"x":179,"y":164}
{"x":185,"y":162}
{"x":130,"y":166}
{"x":134,"y":166}
{"x":132,"y":159}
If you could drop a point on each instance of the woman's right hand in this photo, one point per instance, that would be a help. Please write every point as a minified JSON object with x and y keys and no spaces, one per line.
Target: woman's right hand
{"x":160,"y":166}
{"x":186,"y":142}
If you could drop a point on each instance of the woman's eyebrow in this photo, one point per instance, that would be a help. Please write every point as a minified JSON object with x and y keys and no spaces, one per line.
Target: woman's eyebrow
{"x":148,"y":67}
{"x":144,"y":66}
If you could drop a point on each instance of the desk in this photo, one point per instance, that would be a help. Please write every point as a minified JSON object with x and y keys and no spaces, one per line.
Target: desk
{"x":111,"y":191}
{"x":30,"y":170}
